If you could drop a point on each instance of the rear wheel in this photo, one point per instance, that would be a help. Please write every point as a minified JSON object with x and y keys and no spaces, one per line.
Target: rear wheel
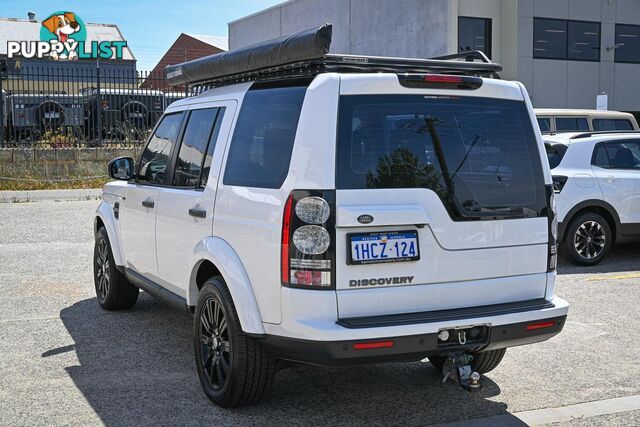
{"x":588,"y":239}
{"x":113,"y":290}
{"x":233,"y":368}
{"x":482,"y":363}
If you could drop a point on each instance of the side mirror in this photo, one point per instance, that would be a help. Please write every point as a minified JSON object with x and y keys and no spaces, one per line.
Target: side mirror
{"x":121,"y":168}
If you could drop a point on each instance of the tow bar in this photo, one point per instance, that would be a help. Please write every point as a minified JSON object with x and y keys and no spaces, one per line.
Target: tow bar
{"x":457,"y":368}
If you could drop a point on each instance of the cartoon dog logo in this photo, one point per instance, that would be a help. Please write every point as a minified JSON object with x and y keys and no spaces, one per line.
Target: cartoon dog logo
{"x":62,"y":26}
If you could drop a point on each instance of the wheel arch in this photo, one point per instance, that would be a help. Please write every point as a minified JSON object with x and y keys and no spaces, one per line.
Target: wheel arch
{"x":598,"y":206}
{"x":104,"y":217}
{"x":214,"y":256}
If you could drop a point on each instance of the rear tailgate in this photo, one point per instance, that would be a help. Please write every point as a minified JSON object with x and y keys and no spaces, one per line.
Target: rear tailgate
{"x":440,"y":201}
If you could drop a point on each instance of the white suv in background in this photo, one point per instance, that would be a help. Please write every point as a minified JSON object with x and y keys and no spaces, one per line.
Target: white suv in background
{"x":596,"y":178}
{"x":350,"y":214}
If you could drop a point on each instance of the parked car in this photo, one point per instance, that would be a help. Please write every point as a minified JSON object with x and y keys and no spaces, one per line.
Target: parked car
{"x":355,"y":213}
{"x":596,"y":178}
{"x":121,"y":110}
{"x":566,"y":120}
{"x":34,"y":113}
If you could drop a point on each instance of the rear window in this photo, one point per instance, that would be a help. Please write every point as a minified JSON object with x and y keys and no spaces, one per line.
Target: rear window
{"x":555,"y":153}
{"x":571,"y":124}
{"x":611,"y":124}
{"x":261,"y":147}
{"x":479,"y":155}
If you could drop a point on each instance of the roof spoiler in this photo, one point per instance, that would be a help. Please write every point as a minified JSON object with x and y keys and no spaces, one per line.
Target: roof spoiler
{"x":299,"y":47}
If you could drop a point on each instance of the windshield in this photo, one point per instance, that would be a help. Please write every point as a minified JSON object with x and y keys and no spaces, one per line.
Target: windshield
{"x":479,"y":155}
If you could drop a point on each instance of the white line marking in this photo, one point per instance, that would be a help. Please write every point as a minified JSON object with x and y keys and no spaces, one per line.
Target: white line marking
{"x":538,"y":417}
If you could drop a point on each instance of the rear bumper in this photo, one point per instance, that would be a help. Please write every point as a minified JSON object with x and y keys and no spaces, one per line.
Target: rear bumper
{"x":324,"y":342}
{"x":404,"y":348}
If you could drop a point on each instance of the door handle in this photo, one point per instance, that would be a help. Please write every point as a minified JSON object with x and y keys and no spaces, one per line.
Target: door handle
{"x":198,"y":213}
{"x":148,"y":203}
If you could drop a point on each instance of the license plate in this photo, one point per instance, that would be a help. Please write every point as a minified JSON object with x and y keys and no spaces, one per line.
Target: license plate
{"x":136,"y":115}
{"x":51,"y":115}
{"x":395,"y":246}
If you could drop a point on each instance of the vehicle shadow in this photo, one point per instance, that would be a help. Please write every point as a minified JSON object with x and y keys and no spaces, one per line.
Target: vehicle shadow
{"x":622,"y":258}
{"x":136,"y":367}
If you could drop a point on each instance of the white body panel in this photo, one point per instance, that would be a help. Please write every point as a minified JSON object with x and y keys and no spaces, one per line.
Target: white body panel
{"x":138,"y":229}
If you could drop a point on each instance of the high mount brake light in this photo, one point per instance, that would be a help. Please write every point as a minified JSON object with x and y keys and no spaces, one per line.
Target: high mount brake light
{"x":308,"y":240}
{"x":439,"y":81}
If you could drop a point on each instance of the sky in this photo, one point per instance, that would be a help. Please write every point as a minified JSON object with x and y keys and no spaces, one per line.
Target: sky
{"x":148,"y":26}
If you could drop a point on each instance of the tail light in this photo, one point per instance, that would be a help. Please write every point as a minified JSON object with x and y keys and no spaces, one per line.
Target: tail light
{"x":104,"y":104}
{"x":308,"y":240}
{"x":553,"y":230}
{"x":559,"y":182}
{"x":440,"y":81}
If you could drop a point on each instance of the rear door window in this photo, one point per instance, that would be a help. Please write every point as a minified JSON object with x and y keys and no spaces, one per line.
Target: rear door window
{"x":479,"y":155}
{"x":617,"y":155}
{"x":263,"y":139}
{"x":571,"y":124}
{"x":156,"y":155}
{"x":196,"y":139}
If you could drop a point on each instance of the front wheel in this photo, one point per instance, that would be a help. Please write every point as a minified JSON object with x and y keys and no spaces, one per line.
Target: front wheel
{"x":233,"y":368}
{"x":113,"y":290}
{"x":588,"y":239}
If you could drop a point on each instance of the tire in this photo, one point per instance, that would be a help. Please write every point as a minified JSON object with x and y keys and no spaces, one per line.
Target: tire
{"x":113,"y":290}
{"x":482,"y":363}
{"x":588,"y":239}
{"x":233,"y":368}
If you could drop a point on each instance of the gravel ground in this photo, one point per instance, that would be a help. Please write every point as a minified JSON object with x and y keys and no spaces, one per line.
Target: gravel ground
{"x":63,"y":360}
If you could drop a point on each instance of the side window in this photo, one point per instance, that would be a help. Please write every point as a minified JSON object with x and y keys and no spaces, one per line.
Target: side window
{"x":545,"y":124}
{"x":263,"y":139}
{"x":600,"y":157}
{"x":619,"y":154}
{"x":156,"y":155}
{"x":570,"y":124}
{"x":622,"y":124}
{"x":192,"y":152}
{"x":612,"y":124}
{"x":212,"y":145}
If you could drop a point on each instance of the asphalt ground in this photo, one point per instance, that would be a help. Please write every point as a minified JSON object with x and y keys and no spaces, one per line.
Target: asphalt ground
{"x":64,"y":360}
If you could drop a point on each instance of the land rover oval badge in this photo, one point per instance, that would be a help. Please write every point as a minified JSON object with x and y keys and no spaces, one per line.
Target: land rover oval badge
{"x":365,"y":219}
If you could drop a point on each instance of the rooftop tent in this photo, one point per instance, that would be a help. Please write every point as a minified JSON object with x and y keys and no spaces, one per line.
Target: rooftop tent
{"x":299,"y":47}
{"x":307,"y":53}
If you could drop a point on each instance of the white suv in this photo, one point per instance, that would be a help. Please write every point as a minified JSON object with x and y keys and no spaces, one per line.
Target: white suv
{"x":350,"y":214}
{"x":596,"y":177}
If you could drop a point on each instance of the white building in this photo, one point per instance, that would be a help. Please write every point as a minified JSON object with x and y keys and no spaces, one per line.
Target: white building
{"x":565,"y":51}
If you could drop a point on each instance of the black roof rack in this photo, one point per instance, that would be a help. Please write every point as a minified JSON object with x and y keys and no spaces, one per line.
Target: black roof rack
{"x":306,"y":54}
{"x":601,"y":132}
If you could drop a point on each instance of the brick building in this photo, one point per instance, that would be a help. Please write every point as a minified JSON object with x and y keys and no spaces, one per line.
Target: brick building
{"x":185,"y":48}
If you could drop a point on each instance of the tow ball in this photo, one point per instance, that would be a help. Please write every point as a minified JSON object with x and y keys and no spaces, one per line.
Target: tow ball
{"x":457,"y":368}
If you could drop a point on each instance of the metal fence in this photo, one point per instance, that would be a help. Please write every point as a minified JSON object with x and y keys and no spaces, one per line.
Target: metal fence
{"x":84,"y":106}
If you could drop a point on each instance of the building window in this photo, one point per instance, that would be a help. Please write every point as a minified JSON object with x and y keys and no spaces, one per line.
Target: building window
{"x":567,"y":40}
{"x":474,"y":34}
{"x":627,"y":43}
